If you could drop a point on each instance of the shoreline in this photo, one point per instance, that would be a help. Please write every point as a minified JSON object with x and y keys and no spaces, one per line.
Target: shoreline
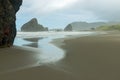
{"x":87,"y":58}
{"x":93,"y":57}
{"x":15,"y":59}
{"x":60,"y":41}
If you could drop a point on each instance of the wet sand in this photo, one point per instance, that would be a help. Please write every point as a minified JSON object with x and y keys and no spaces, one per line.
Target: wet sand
{"x":18,"y":63}
{"x":87,"y":58}
{"x":17,"y":58}
{"x":94,"y":57}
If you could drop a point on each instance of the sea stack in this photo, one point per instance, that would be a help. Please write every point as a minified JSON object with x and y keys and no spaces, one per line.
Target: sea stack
{"x":8,"y":9}
{"x":33,"y":26}
{"x":68,"y":28}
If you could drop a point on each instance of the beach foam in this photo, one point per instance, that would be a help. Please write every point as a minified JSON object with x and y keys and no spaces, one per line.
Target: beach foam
{"x":46,"y":34}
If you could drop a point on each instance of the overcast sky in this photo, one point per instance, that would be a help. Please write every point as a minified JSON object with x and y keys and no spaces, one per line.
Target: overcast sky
{"x":59,"y":13}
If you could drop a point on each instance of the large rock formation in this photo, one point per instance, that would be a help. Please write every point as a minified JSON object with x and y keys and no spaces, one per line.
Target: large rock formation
{"x":8,"y":9}
{"x":78,"y":26}
{"x":33,"y":26}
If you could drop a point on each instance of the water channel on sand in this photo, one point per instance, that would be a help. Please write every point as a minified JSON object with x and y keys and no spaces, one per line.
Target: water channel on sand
{"x":34,"y":49}
{"x":49,"y":53}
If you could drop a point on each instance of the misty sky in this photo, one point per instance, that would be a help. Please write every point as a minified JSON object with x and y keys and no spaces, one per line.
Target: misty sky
{"x":59,"y":13}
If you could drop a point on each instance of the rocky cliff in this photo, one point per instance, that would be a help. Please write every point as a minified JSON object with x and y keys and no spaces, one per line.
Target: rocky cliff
{"x":33,"y":26}
{"x":8,"y":9}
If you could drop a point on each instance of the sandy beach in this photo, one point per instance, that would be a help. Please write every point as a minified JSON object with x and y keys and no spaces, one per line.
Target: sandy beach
{"x":87,"y":58}
{"x":17,"y":58}
{"x":94,"y":57}
{"x":18,"y":63}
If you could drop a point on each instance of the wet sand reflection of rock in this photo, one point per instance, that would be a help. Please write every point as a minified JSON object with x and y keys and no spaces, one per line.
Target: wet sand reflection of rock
{"x":33,"y":40}
{"x":32,"y":45}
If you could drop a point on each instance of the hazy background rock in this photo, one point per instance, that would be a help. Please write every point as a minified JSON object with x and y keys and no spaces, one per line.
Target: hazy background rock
{"x":81,"y":26}
{"x":78,"y":26}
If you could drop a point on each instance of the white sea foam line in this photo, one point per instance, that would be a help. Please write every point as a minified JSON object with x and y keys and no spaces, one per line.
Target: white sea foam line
{"x":46,"y":34}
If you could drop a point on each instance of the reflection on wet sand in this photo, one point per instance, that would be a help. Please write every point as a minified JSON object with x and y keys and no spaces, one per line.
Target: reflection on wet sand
{"x":49,"y":52}
{"x":32,"y":39}
{"x":34,"y":42}
{"x":32,"y":45}
{"x":30,"y":63}
{"x":41,"y":52}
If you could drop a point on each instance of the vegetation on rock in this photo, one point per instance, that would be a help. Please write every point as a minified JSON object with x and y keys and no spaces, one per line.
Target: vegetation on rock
{"x":109,"y":27}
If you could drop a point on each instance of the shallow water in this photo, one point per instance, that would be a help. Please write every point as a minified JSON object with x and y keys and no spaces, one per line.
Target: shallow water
{"x":49,"y":53}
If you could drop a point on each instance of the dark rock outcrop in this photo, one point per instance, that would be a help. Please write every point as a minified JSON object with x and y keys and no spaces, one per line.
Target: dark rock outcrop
{"x":33,"y":26}
{"x":68,"y":28}
{"x":8,"y":9}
